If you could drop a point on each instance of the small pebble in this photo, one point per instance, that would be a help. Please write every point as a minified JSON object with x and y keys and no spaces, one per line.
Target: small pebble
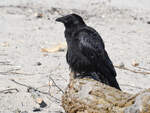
{"x":36,"y":109}
{"x":43,"y":104}
{"x":148,"y":22}
{"x":39,"y":15}
{"x":135,"y":18}
{"x":135,"y":63}
{"x":121,"y":65}
{"x":39,"y":63}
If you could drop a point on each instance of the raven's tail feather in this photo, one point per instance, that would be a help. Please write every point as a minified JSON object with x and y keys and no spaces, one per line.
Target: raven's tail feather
{"x":109,"y":81}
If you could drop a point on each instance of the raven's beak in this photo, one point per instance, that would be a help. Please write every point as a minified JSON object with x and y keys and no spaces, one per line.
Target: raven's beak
{"x":61,"y":19}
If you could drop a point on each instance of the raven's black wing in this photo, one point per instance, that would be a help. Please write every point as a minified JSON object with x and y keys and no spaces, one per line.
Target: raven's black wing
{"x":91,"y":45}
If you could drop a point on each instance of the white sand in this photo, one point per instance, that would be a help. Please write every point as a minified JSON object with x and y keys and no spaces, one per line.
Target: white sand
{"x":125,"y":32}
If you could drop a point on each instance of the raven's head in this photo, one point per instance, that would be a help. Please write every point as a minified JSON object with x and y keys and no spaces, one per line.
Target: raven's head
{"x":71,"y":20}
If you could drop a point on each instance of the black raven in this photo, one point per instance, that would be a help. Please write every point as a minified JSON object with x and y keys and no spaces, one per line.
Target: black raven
{"x":86,"y":50}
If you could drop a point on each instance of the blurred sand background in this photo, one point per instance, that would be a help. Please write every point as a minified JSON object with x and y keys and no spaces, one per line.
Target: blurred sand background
{"x":30,"y":71}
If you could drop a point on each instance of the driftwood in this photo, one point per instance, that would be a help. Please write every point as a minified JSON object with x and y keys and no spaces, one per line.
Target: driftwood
{"x":90,"y":96}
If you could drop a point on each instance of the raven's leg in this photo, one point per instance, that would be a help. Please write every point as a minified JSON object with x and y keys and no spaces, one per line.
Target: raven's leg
{"x":92,"y":75}
{"x":72,"y":75}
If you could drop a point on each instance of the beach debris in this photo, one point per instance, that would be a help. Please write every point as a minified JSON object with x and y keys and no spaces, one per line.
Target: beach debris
{"x":41,"y":102}
{"x":5,"y":63}
{"x":36,"y":109}
{"x":38,"y":15}
{"x":17,"y":111}
{"x":135,"y":63}
{"x":35,"y":91}
{"x":56,"y":48}
{"x":148,"y":22}
{"x":39,"y":63}
{"x":11,"y":90}
{"x":131,"y":70}
{"x":121,"y":65}
{"x":11,"y":71}
{"x":37,"y":97}
{"x":50,"y":83}
{"x":5,"y":44}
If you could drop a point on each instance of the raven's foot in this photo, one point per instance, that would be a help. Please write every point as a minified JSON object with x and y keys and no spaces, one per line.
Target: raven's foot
{"x":92,"y":75}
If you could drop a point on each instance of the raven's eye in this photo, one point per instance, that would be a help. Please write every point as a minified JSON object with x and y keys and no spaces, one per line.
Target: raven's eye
{"x":69,"y":21}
